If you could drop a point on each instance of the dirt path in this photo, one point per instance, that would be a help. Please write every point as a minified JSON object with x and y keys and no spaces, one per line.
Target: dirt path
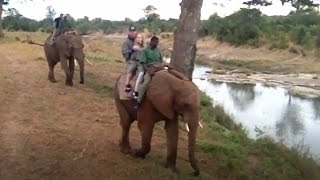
{"x":51,"y":131}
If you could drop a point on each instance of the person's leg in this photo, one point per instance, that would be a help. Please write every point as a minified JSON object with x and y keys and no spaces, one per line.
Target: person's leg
{"x":52,"y":36}
{"x":131,"y":66}
{"x":138,"y":82}
{"x":143,"y":87}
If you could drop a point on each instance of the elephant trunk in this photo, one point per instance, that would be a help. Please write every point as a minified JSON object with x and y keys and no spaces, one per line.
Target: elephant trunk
{"x":192,"y":121}
{"x":80,"y":57}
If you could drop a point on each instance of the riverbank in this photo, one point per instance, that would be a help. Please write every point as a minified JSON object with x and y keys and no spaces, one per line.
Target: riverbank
{"x":239,"y":157}
{"x":305,"y":85}
{"x":43,"y":139}
{"x":295,"y":69}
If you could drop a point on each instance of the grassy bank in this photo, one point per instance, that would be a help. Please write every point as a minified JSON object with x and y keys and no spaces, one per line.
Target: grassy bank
{"x":238,"y":157}
{"x":91,"y":127}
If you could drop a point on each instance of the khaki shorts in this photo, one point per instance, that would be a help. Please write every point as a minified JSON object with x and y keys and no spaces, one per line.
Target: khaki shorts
{"x":132,"y":66}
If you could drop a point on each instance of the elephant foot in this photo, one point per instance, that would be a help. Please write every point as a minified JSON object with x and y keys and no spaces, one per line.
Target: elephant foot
{"x":172,"y":167}
{"x":81,"y":82}
{"x":138,"y":153}
{"x":53,"y":80}
{"x":125,"y":149}
{"x":69,"y":83}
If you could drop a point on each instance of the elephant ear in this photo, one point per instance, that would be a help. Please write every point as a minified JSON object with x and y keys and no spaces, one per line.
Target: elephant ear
{"x":64,"y":46}
{"x":74,"y":40}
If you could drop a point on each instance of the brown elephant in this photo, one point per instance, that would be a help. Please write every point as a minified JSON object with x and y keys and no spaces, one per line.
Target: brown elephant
{"x":66,"y":48}
{"x":166,"y":98}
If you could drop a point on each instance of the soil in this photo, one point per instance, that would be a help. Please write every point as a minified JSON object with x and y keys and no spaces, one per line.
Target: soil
{"x":51,"y":131}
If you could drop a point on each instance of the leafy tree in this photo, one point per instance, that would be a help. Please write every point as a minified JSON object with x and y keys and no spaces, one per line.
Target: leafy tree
{"x":2,"y":3}
{"x":149,"y":10}
{"x":301,"y":4}
{"x":152,"y":19}
{"x":51,"y":13}
{"x":257,"y":3}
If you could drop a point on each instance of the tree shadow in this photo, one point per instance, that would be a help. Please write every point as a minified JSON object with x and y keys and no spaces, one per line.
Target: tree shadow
{"x":242,"y":94}
{"x":316,"y":108}
{"x":291,"y":123}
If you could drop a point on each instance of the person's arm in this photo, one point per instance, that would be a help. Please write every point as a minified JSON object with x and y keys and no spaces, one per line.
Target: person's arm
{"x":126,"y":50}
{"x":68,"y":25}
{"x":61,"y":24}
{"x":55,"y":23}
{"x":161,"y":58}
{"x":143,"y":59}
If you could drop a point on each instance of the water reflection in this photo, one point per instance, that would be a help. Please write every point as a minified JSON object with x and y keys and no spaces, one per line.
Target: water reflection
{"x":291,"y":122}
{"x":316,"y":108}
{"x":242,"y":95}
{"x":272,"y":109}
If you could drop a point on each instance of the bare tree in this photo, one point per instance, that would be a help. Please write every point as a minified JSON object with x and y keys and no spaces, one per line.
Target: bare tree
{"x":1,"y":9}
{"x":186,"y":36}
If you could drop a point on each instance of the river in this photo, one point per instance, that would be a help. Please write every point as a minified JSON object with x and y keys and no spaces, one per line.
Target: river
{"x":265,"y":110}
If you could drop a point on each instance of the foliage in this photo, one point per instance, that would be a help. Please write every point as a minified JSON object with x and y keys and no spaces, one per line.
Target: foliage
{"x":244,"y":27}
{"x":51,"y":13}
{"x":251,"y":27}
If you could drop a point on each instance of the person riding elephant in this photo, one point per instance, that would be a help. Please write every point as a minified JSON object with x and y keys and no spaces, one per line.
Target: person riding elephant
{"x":127,"y":45}
{"x":56,"y":29}
{"x":149,"y":58}
{"x":168,"y":96}
{"x":64,"y":24}
{"x":132,"y":63}
{"x":67,"y":47}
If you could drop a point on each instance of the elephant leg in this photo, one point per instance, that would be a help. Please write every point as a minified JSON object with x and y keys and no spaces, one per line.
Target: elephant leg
{"x":146,"y":119}
{"x":172,"y":133}
{"x":64,"y":66}
{"x":81,"y":66}
{"x":71,"y":67}
{"x":51,"y":77}
{"x":125,"y":122}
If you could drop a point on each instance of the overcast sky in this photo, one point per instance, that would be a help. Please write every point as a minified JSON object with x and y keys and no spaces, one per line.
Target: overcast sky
{"x":119,"y":9}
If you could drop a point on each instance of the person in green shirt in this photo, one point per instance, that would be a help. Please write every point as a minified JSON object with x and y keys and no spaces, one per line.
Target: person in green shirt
{"x":64,"y":24}
{"x":61,"y":25}
{"x":148,"y":57}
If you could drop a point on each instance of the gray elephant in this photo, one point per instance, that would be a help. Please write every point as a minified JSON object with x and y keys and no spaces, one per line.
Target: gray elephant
{"x":66,"y":48}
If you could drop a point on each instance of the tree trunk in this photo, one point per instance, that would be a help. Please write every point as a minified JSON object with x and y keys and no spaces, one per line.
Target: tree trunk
{"x":186,"y":36}
{"x":1,"y":8}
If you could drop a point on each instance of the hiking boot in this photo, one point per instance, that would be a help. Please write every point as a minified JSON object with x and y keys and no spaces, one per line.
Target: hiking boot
{"x":136,"y":106}
{"x":127,"y":88}
{"x":135,"y":95}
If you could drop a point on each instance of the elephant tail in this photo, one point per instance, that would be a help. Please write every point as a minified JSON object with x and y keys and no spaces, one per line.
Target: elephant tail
{"x":32,"y":42}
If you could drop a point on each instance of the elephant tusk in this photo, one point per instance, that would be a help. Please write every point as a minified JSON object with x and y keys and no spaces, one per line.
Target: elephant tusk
{"x":187,"y":127}
{"x":88,"y":61}
{"x":200,"y":124}
{"x":76,"y":63}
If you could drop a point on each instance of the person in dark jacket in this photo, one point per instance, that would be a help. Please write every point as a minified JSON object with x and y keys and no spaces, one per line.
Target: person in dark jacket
{"x":56,"y":29}
{"x":127,"y":46}
{"x":127,"y":50}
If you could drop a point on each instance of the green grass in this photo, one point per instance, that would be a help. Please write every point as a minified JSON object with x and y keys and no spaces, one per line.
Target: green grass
{"x":242,"y":158}
{"x":13,"y":37}
{"x":93,"y":82}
